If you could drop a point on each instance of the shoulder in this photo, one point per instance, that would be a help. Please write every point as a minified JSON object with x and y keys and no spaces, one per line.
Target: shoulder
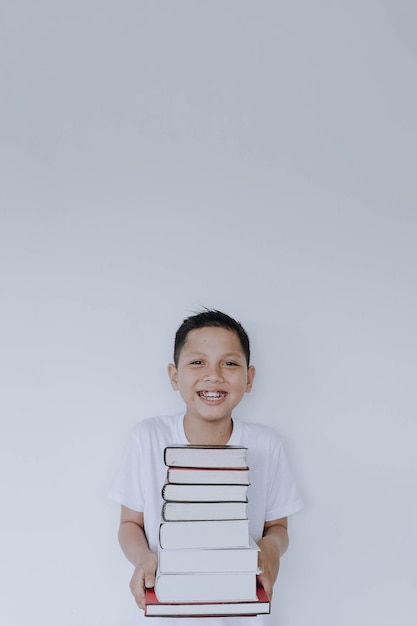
{"x":153,"y":427}
{"x":260,"y":432}
{"x":259,"y":438}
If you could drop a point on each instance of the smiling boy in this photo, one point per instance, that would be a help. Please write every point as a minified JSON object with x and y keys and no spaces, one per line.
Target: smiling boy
{"x":212,"y":375}
{"x":212,"y":372}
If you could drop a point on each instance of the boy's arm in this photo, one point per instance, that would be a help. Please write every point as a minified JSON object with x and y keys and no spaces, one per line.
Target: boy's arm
{"x":135,"y":546}
{"x":273,"y":544}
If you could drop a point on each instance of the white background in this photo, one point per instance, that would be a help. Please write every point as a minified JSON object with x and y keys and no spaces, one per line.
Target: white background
{"x":257,"y":157}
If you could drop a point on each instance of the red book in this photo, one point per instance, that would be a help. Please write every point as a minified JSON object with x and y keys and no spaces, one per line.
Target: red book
{"x":153,"y":608}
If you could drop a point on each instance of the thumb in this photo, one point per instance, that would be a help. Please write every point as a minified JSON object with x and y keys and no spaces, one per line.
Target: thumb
{"x":149,"y":579}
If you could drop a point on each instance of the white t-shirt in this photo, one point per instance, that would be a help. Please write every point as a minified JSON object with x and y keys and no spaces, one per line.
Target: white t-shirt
{"x":272,"y":493}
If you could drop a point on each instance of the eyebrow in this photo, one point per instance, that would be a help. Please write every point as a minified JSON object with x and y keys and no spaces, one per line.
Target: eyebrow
{"x":228,"y":355}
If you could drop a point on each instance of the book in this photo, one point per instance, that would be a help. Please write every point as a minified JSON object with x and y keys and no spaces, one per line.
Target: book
{"x":207,"y":562}
{"x":206,"y":587}
{"x":205,"y":456}
{"x":216,"y":609}
{"x":211,"y":476}
{"x":204,"y":493}
{"x":204,"y":534}
{"x":190,"y":511}
{"x":199,"y":560}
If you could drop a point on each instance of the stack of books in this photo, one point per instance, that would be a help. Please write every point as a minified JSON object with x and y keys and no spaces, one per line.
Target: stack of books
{"x":207,"y":562}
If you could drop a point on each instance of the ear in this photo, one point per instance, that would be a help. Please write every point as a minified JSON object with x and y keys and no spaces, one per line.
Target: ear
{"x":251,"y":376}
{"x":173,"y":375}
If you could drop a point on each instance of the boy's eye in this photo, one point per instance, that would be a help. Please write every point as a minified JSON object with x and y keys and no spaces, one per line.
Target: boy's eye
{"x":196,"y":362}
{"x":230,"y":363}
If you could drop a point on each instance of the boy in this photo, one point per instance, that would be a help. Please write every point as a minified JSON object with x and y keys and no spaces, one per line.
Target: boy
{"x":212,"y":372}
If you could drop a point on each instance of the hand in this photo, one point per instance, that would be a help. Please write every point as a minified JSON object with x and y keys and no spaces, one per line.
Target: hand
{"x":272,"y":546}
{"x":143,"y":577}
{"x":268,"y":563}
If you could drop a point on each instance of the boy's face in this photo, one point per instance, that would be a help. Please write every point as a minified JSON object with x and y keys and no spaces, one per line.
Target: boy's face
{"x":212,"y":375}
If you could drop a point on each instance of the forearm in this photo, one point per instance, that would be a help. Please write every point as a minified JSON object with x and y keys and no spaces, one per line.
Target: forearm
{"x":272,"y":544}
{"x":274,"y":540}
{"x":133,"y":542}
{"x":135,"y":546}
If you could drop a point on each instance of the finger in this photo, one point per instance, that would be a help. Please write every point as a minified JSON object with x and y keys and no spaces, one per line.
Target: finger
{"x":149,"y":575}
{"x":141,"y":603}
{"x":264,"y":582}
{"x":139,"y":595}
{"x":149,"y":580}
{"x":137,"y":589}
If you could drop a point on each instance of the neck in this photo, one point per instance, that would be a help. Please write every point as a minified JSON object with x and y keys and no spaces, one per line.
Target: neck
{"x":208,"y":434}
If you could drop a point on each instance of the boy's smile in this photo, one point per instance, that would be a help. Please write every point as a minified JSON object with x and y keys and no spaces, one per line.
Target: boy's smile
{"x":212,"y":376}
{"x":211,"y":396}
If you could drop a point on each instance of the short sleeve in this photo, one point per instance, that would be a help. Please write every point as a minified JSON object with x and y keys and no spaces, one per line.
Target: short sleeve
{"x":126,"y":488}
{"x":283,"y":497}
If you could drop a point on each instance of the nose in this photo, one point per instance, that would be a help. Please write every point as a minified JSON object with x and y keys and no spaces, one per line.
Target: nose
{"x":213,"y":375}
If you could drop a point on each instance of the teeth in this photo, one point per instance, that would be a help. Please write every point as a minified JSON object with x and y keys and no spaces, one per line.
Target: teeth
{"x":211,"y":395}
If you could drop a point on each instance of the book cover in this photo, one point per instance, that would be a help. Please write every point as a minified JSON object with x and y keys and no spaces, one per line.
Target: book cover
{"x":210,"y":476}
{"x":153,"y":608}
{"x":204,"y":493}
{"x":209,"y":561}
{"x":204,"y":534}
{"x":192,"y":511}
{"x":205,"y":456}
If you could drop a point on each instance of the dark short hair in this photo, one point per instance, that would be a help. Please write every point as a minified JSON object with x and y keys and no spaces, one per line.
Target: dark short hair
{"x":210,"y":317}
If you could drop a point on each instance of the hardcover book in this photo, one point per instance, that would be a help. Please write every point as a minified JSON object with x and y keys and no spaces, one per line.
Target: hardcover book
{"x":204,"y":493}
{"x":190,"y":511}
{"x":205,"y":456}
{"x":204,"y":534}
{"x":211,"y":476}
{"x":209,"y":561}
{"x":206,"y":587}
{"x":154,"y":608}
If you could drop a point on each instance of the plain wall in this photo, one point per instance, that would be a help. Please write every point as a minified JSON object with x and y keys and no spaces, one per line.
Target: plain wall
{"x":257,"y":157}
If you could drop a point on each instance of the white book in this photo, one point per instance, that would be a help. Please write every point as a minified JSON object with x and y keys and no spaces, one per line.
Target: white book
{"x":191,"y":511}
{"x":199,"y":587}
{"x":211,"y":476}
{"x":205,"y":456}
{"x":204,"y":534}
{"x":203,"y":560}
{"x":204,"y":493}
{"x":197,"y":609}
